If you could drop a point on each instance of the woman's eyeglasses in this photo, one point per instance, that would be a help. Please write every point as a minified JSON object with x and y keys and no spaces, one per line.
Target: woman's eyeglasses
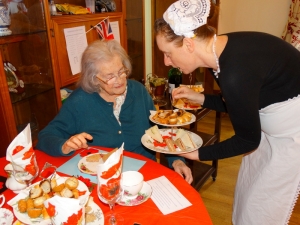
{"x":112,"y":79}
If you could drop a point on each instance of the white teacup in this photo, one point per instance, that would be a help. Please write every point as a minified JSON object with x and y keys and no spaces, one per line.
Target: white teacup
{"x":2,"y":200}
{"x":132,"y":183}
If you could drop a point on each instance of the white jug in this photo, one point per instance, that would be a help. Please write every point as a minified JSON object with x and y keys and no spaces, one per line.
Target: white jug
{"x":11,"y":182}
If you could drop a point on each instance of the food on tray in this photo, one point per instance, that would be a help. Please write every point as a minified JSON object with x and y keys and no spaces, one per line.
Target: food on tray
{"x":154,"y":133}
{"x":179,"y":138}
{"x":198,"y":88}
{"x":172,"y":117}
{"x":185,"y":104}
{"x":33,"y":205}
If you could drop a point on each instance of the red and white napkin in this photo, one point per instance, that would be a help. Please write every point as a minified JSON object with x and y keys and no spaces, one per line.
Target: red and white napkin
{"x":65,"y":210}
{"x":20,"y":151}
{"x":109,"y":173}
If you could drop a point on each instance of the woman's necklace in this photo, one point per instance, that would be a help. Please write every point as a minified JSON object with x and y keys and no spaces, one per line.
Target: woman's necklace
{"x":216,"y":72}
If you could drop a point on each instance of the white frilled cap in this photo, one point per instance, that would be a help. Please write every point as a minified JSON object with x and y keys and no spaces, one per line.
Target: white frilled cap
{"x":184,"y":16}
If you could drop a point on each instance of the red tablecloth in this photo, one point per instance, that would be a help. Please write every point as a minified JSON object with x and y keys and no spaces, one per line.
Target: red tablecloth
{"x":146,"y":213}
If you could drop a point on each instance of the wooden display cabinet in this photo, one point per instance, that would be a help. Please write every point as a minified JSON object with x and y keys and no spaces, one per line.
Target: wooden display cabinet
{"x":37,"y":48}
{"x":27,"y":49}
{"x":56,"y":25}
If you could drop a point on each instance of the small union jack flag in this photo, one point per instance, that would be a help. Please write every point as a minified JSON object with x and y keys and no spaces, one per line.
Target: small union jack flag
{"x":104,"y":30}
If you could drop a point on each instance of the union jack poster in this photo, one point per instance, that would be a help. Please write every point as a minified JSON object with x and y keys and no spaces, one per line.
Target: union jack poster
{"x":104,"y":30}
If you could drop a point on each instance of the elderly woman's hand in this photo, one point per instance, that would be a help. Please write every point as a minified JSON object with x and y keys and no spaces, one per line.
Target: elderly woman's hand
{"x":187,"y":93}
{"x":76,"y":142}
{"x":181,"y":168}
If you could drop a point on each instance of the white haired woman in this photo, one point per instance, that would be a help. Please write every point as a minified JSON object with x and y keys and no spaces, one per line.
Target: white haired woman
{"x":106,"y":110}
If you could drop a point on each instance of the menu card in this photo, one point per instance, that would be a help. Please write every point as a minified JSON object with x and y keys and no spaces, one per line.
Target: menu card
{"x":166,"y":196}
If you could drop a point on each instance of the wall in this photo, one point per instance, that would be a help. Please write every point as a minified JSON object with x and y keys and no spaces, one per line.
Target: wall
{"x":268,"y":16}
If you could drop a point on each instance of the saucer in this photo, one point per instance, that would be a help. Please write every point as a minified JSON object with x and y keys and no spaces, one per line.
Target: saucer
{"x":6,"y":216}
{"x":143,"y":196}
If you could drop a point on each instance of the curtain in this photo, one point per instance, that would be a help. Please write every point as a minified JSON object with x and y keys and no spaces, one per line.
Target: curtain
{"x":292,"y":30}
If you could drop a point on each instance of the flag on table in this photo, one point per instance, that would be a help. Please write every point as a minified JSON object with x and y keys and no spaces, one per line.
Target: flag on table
{"x":104,"y":30}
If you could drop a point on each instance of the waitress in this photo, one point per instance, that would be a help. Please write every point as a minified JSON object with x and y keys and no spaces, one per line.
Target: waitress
{"x":259,"y":78}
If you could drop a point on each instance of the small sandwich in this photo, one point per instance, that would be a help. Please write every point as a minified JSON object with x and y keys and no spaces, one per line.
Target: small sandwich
{"x":187,"y":140}
{"x":179,"y":143}
{"x":184,"y":138}
{"x":154,"y":133}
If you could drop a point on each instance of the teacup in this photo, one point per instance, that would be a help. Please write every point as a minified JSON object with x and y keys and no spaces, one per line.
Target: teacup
{"x":132,"y":183}
{"x":2,"y":200}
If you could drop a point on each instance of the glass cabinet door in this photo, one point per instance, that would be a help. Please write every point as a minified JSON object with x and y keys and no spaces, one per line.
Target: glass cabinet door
{"x":27,"y":69}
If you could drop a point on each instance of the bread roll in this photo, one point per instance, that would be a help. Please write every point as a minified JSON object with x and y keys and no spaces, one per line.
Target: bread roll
{"x":72,"y":183}
{"x":35,"y":192}
{"x":46,"y":186}
{"x":67,"y":193}
{"x":173,"y":121}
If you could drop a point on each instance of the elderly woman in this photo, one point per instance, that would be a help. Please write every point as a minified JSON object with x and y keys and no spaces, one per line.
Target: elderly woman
{"x":259,"y":78}
{"x":106,"y":110}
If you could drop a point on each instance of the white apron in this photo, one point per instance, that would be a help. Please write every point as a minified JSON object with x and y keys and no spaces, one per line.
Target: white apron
{"x":268,"y":183}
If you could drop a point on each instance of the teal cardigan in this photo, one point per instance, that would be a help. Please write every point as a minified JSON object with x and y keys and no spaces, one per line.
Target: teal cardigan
{"x":84,"y":112}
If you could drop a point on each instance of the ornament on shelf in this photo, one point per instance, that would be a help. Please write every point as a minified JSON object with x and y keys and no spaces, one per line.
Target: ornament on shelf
{"x":4,"y":20}
{"x":15,"y":84}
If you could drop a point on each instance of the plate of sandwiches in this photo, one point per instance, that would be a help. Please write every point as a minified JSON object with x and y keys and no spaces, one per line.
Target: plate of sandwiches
{"x":170,"y":118}
{"x":171,"y":141}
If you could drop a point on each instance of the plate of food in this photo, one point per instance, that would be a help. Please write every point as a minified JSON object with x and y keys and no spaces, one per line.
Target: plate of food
{"x":171,"y":141}
{"x":35,"y":195}
{"x":197,"y":88}
{"x":93,"y":213}
{"x":185,"y":104}
{"x":89,"y":163}
{"x":171,"y":118}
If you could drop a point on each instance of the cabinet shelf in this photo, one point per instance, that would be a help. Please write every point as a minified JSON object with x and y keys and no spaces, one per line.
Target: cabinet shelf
{"x":17,"y":37}
{"x":30,"y":91}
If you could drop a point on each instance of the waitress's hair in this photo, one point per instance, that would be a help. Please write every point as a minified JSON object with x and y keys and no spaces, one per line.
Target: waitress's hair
{"x":161,"y":27}
{"x":94,"y":56}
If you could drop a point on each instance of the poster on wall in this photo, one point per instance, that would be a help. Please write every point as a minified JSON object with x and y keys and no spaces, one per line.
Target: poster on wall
{"x":76,"y":43}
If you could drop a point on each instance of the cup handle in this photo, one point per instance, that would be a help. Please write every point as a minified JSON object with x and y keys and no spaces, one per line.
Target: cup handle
{"x":3,"y":200}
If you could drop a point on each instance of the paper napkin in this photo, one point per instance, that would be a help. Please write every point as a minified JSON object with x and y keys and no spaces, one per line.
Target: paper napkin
{"x":109,"y":173}
{"x":65,"y":210}
{"x":21,"y":153}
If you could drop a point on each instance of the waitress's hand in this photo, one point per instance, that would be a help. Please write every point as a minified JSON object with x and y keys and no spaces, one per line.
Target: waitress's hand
{"x":184,"y":171}
{"x":75,"y":142}
{"x":187,"y":93}
{"x":194,"y":155}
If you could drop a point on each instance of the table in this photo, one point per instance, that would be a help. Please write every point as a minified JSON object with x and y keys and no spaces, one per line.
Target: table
{"x":146,"y":213}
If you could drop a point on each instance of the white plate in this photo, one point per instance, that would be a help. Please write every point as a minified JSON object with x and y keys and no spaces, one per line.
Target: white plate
{"x":6,"y":217}
{"x":169,"y":125}
{"x":147,"y":141}
{"x":24,"y":218}
{"x":97,"y":213}
{"x":88,"y":167}
{"x":143,"y":196}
